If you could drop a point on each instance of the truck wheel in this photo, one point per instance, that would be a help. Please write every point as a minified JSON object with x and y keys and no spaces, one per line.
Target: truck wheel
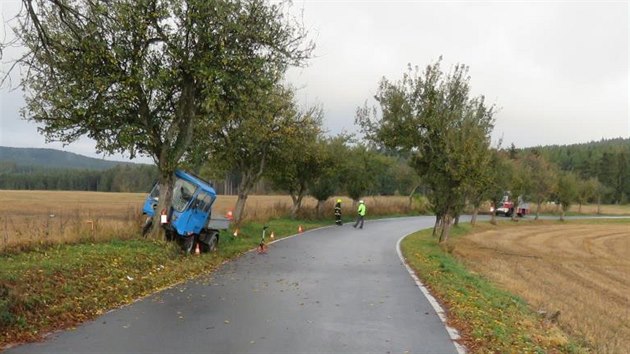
{"x":147,"y":226}
{"x":188,"y":244}
{"x":170,"y":235}
{"x":212,"y":244}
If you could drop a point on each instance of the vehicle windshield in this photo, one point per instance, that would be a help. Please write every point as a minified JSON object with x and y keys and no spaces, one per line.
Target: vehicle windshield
{"x":155,"y":192}
{"x":182,"y":194}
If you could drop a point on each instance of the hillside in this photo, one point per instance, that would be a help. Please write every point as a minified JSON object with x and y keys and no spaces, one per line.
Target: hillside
{"x":51,"y":158}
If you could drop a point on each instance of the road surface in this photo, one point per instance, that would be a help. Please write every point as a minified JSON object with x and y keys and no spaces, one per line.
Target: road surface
{"x":331,"y":290}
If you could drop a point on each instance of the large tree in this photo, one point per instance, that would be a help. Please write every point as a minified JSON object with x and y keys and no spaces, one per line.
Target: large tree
{"x":251,"y":134}
{"x":300,"y":159}
{"x":138,"y":76}
{"x":332,"y":153}
{"x":567,"y":190}
{"x":432,"y":116}
{"x":359,"y":172}
{"x":543,"y":177}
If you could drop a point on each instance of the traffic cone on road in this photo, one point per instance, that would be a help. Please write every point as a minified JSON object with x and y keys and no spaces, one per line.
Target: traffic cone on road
{"x":300,"y":230}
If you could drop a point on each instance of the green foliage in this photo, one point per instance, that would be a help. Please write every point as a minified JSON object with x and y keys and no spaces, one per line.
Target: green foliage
{"x":431,"y":116}
{"x":141,"y":76}
{"x":567,"y":190}
{"x":544,"y":178}
{"x":333,"y":153}
{"x":606,"y":160}
{"x":253,"y":133}
{"x":300,"y":159}
{"x":359,"y":172}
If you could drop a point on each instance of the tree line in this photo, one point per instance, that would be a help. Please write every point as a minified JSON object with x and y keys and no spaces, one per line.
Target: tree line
{"x":201,"y":85}
{"x":606,"y":161}
{"x":121,"y":178}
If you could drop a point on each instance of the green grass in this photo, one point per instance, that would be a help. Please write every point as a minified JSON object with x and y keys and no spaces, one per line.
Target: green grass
{"x":59,"y":286}
{"x":491,"y":320}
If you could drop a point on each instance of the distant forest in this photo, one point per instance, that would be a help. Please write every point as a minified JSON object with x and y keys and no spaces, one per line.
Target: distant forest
{"x":120,"y":178}
{"x":607,"y":160}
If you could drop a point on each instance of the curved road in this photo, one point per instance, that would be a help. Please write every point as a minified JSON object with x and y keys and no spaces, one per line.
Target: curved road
{"x":331,"y":290}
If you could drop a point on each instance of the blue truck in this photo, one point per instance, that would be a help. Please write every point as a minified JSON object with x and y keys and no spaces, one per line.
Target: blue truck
{"x":188,"y":221}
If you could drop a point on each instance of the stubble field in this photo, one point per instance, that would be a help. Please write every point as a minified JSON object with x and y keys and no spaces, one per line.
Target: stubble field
{"x":576,"y":274}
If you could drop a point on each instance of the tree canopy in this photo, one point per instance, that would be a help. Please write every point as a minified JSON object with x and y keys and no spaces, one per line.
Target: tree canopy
{"x":431,"y":115}
{"x":138,"y":76}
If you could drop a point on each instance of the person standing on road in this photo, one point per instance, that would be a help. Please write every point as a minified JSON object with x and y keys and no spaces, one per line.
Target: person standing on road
{"x":361,"y":214}
{"x":338,"y":213}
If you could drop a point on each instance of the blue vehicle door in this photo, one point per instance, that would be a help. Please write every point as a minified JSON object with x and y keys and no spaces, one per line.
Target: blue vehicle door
{"x":199,"y":212}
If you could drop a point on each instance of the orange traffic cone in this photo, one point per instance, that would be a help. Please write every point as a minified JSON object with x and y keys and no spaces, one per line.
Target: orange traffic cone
{"x":300,"y":230}
{"x":235,"y":233}
{"x":272,"y":235}
{"x":197,"y":251}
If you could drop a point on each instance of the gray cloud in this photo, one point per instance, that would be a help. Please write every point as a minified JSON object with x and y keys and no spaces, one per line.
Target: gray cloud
{"x":558,"y":70}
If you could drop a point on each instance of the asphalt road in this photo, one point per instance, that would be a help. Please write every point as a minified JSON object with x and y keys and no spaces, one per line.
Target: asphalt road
{"x":332,"y":290}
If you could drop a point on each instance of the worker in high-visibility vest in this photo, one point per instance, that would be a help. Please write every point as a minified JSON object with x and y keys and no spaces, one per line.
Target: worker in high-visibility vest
{"x":361,"y":214}
{"x":338,"y":213}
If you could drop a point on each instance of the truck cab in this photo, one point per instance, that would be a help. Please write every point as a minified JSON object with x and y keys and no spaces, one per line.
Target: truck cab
{"x":506,"y":207}
{"x":188,"y":220}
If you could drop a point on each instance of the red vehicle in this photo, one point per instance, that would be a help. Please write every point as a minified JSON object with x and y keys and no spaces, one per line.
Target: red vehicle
{"x":506,"y":207}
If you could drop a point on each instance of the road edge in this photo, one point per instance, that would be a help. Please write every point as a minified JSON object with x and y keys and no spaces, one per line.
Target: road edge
{"x":452,"y":332}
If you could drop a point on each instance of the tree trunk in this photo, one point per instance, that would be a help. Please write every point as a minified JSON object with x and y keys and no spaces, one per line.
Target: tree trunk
{"x":446,"y":227}
{"x":493,"y":218}
{"x":246,"y":185}
{"x":599,"y":203}
{"x":537,"y":209}
{"x":562,"y":215}
{"x":580,"y":208}
{"x":515,"y":212}
{"x":456,"y":223}
{"x":473,"y":220}
{"x":239,"y":209}
{"x":411,"y":197}
{"x":166,"y":181}
{"x":320,"y":207}
{"x":438,"y":220}
{"x":297,"y":204}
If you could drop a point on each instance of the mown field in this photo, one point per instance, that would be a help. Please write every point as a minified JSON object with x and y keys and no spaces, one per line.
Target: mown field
{"x":575,"y":274}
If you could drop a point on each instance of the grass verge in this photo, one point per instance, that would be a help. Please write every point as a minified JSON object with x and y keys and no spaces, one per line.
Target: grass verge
{"x":59,"y":286}
{"x":489,"y":319}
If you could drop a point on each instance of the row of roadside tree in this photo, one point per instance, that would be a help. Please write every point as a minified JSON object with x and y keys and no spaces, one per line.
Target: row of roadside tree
{"x":200,"y":84}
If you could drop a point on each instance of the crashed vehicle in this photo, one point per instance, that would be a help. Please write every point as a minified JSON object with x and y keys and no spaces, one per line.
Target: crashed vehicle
{"x":188,"y":220}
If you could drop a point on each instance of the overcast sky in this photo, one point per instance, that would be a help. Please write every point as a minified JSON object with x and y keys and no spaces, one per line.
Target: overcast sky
{"x":558,"y":71}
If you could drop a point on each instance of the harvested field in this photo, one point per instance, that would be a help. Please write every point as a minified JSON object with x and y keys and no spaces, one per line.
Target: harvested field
{"x":28,"y":217}
{"x":577,"y":274}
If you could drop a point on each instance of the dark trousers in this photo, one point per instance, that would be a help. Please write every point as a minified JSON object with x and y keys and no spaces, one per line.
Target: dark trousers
{"x":338,"y":219}
{"x":359,"y":220}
